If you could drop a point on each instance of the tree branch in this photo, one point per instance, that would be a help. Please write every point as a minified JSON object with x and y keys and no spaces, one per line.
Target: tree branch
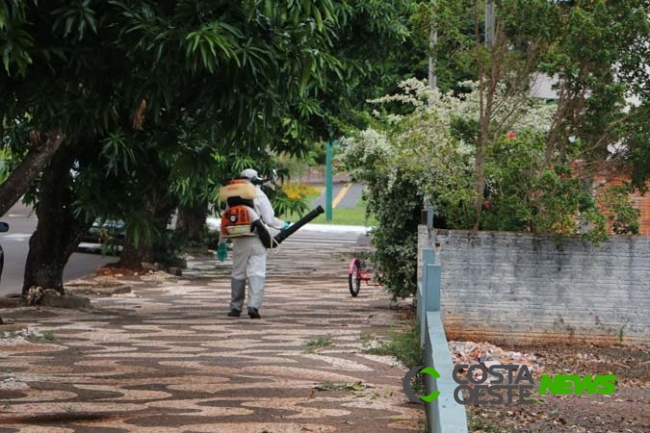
{"x":42,"y":147}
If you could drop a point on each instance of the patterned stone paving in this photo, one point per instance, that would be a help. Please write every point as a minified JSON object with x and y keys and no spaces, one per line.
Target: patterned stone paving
{"x":166,"y":358}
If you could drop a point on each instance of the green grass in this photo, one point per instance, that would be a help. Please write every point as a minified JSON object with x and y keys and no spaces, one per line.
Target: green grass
{"x":311,"y":197}
{"x":341,"y":216}
{"x":320,"y":342}
{"x":49,"y":335}
{"x":312,"y":346}
{"x":403,"y":344}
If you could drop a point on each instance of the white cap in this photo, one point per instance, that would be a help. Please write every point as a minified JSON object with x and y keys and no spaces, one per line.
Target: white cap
{"x":251,"y":174}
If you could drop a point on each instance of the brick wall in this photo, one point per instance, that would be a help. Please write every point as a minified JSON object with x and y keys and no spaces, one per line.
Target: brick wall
{"x":641,"y":202}
{"x":607,"y":177}
{"x":527,"y":288}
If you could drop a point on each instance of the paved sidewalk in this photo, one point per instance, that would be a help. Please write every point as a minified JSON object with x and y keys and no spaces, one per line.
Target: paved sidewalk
{"x":165,"y":358}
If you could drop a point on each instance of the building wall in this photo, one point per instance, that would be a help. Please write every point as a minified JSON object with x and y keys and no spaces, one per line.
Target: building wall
{"x":521,"y":287}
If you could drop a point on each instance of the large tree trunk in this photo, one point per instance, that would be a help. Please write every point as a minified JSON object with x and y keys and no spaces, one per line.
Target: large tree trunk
{"x":42,"y":147}
{"x":136,"y":250}
{"x":140,"y":249}
{"x":58,"y":231}
{"x":191,"y":221}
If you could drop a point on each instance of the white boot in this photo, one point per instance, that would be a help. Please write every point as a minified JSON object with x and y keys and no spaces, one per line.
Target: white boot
{"x":255,"y":295}
{"x":238,"y":292}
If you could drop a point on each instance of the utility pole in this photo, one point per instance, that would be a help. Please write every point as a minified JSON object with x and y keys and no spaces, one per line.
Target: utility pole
{"x":433,"y":40}
{"x":427,"y":210}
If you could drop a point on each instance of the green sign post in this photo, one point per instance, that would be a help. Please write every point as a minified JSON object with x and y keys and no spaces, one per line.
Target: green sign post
{"x":328,"y":180}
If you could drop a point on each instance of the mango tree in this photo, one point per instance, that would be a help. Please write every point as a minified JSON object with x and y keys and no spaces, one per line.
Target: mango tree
{"x":121,"y":80}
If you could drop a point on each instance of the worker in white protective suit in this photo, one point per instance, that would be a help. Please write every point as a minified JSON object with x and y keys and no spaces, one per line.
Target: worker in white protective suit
{"x":249,"y":255}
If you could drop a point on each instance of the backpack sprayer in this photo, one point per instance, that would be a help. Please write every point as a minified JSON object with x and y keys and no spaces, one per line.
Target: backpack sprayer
{"x":242,"y":220}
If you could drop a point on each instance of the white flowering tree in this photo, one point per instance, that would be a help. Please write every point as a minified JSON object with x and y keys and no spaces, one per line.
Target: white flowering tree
{"x":489,"y":156}
{"x":434,"y":143}
{"x":422,"y":145}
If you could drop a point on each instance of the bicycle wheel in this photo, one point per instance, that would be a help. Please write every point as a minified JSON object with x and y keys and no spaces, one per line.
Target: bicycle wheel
{"x":354,"y":278}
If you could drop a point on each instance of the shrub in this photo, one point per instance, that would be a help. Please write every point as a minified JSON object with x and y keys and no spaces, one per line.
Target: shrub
{"x":298,"y":190}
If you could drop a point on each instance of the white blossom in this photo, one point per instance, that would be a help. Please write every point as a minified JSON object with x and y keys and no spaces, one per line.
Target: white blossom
{"x":422,"y":141}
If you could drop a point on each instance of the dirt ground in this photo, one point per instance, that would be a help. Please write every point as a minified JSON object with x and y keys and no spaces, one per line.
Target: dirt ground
{"x":627,"y":410}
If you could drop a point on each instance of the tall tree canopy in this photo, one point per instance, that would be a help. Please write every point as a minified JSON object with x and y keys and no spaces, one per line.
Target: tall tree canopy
{"x":135,"y":92}
{"x":471,"y":139}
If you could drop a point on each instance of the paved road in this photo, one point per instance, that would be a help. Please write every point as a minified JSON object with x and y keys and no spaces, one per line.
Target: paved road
{"x":352,"y":196}
{"x":15,"y":244}
{"x":350,"y":199}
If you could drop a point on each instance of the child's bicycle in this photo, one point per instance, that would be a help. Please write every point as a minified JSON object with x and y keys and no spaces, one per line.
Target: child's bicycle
{"x":357,"y":272}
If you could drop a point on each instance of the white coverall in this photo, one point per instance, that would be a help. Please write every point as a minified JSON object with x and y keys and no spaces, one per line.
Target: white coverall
{"x":249,"y":258}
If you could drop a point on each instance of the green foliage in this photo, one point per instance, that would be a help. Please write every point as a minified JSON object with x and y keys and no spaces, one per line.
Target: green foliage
{"x":453,"y":20}
{"x":15,"y":42}
{"x":637,"y":154}
{"x":454,"y":148}
{"x":163,"y":102}
{"x":525,"y":196}
{"x":283,"y":205}
{"x":168,"y":248}
{"x":319,"y":342}
{"x":49,"y":335}
{"x":397,"y":211}
{"x":8,"y":161}
{"x":427,"y":154}
{"x":378,"y":47}
{"x":622,"y":213}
